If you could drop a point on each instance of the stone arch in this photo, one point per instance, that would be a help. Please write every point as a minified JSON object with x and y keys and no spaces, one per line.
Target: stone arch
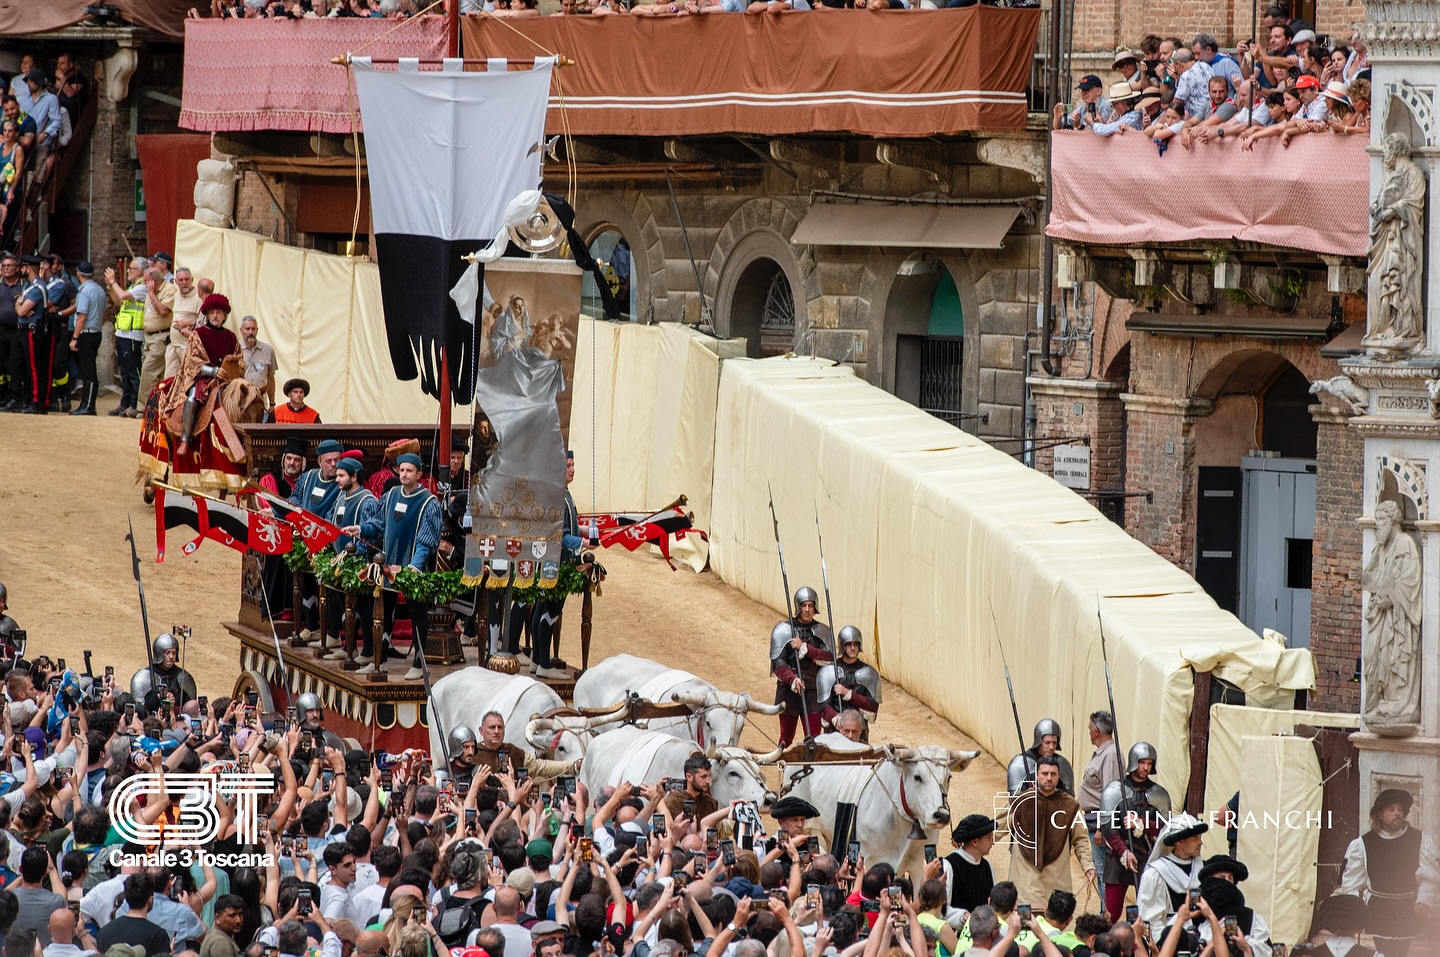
{"x":878,"y":288}
{"x":1259,"y":399}
{"x":759,"y":230}
{"x":1118,"y":369}
{"x":1250,"y":369}
{"x":636,"y":222}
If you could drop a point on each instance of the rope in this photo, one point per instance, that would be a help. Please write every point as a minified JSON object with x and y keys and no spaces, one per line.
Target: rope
{"x":397,"y":26}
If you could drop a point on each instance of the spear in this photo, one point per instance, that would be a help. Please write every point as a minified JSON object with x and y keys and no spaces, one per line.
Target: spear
{"x":825,"y":579}
{"x":789,"y":612}
{"x":1015,"y":711}
{"x":144,"y":614}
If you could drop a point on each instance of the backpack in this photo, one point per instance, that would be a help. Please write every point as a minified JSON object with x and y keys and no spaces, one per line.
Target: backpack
{"x":458,"y":919}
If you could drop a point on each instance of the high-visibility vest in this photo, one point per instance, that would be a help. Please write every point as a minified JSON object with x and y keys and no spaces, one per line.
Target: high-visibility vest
{"x":130,"y":317}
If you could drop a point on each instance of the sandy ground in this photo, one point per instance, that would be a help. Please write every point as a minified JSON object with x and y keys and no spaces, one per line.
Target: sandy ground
{"x":64,"y":558}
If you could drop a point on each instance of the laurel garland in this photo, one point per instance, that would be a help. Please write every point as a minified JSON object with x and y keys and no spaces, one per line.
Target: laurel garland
{"x":570,"y":582}
{"x":430,"y":588}
{"x":298,"y":558}
{"x":348,"y":574}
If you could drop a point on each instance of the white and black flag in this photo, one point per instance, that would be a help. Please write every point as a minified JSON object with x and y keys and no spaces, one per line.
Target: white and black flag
{"x":448,"y":151}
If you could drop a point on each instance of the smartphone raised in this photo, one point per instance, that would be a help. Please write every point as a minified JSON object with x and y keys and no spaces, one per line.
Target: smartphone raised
{"x":642,"y":847}
{"x":812,"y":844}
{"x":252,"y":698}
{"x":1132,"y":913}
{"x":74,"y":724}
{"x":303,"y":904}
{"x":853,"y":854}
{"x":587,"y":849}
{"x":565,"y":785}
{"x":204,"y":701}
{"x":895,"y":895}
{"x":812,"y":896}
{"x":1024,"y":911}
{"x":688,"y":807}
{"x":502,"y":762}
{"x":1232,"y":926}
{"x":469,"y":818}
{"x":929,"y":853}
{"x":727,"y":853}
{"x":657,"y":823}
{"x":711,"y":836}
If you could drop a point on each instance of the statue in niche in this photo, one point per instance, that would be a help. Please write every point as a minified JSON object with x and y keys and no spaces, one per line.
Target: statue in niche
{"x":1391,"y":653}
{"x":1397,"y":258}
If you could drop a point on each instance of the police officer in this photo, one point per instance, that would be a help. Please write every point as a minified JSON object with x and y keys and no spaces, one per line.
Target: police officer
{"x":798,"y":647}
{"x":1044,"y":741}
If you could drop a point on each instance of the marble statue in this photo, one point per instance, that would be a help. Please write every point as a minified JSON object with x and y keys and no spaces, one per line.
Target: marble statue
{"x":1391,"y":653}
{"x":1397,"y":237}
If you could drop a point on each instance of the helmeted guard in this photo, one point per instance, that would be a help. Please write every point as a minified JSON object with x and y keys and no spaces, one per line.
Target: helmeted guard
{"x":462,"y":756}
{"x":1046,"y":740}
{"x":798,"y":647}
{"x":169,"y":676}
{"x":8,"y":627}
{"x":1132,"y":811}
{"x":848,"y":682}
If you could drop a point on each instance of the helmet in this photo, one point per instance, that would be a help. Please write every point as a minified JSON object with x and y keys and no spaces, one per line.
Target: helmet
{"x":803,"y":594}
{"x":459,"y":737}
{"x":309,"y":701}
{"x":1139,"y":751}
{"x":849,"y":634}
{"x":4,"y":595}
{"x":163,"y":643}
{"x":1043,"y":727}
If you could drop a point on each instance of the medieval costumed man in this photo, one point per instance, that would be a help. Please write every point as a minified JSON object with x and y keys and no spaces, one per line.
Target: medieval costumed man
{"x":798,"y":647}
{"x":355,"y":505}
{"x":848,"y":682}
{"x":1045,"y":741}
{"x":315,"y":492}
{"x":1132,"y":811}
{"x":1172,"y":872}
{"x":1394,"y":869}
{"x":169,"y":677}
{"x":1044,"y":823}
{"x":1219,"y":880}
{"x":408,"y":525}
{"x":967,"y":872}
{"x":275,"y":576}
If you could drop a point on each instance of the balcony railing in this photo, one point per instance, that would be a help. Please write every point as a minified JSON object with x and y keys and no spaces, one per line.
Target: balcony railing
{"x":882,"y":73}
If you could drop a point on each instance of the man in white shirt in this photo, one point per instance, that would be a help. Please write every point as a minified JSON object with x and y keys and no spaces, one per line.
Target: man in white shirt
{"x":365,"y":904}
{"x":18,"y":87}
{"x":507,"y":922}
{"x":64,"y":941}
{"x":335,"y":896}
{"x":1395,"y":871}
{"x":184,"y":314}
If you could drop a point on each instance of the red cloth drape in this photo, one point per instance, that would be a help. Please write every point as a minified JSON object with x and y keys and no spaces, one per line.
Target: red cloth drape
{"x":167,"y":164}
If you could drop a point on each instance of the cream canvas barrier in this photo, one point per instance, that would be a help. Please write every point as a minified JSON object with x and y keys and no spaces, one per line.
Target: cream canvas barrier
{"x":1282,"y":777}
{"x":936,"y":543}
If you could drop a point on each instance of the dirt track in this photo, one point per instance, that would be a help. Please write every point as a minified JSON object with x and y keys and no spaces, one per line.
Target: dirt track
{"x":65,"y":560}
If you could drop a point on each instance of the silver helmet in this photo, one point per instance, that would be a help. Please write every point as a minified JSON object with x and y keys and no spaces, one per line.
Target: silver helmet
{"x":803,"y":594}
{"x":459,"y":737}
{"x":1139,"y":751}
{"x":849,"y":634}
{"x":4,"y":595}
{"x":307,"y":702}
{"x":163,"y":643}
{"x":1043,"y":727}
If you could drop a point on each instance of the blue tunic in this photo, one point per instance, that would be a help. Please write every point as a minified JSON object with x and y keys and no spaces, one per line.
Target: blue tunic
{"x":409,"y":525}
{"x":359,"y":507}
{"x":315,"y":494}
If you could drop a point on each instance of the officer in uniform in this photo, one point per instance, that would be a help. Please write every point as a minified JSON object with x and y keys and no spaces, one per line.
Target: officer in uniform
{"x":1045,"y":741}
{"x":169,"y":676}
{"x":798,"y":647}
{"x":315,"y":491}
{"x":355,"y":505}
{"x":1132,"y":811}
{"x":848,"y":682}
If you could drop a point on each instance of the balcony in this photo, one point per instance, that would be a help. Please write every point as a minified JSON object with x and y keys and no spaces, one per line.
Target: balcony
{"x":879,"y":73}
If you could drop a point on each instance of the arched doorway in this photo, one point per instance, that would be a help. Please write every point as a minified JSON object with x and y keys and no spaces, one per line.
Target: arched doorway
{"x":925,"y":311}
{"x":1255,"y":508}
{"x":762,"y":310}
{"x":612,"y":250}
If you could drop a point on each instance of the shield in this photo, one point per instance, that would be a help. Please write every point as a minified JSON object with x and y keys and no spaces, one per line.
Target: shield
{"x":512,"y":547}
{"x":525,"y":569}
{"x":538,"y":548}
{"x":487,"y":547}
{"x":550,"y":572}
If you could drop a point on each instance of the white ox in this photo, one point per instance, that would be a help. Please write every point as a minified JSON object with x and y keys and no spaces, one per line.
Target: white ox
{"x":645,"y":757}
{"x":912,"y":785}
{"x":462,"y":698}
{"x":716,"y":717}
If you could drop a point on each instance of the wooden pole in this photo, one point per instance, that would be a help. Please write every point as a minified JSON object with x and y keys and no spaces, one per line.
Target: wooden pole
{"x":452,"y":26}
{"x":586,"y":607}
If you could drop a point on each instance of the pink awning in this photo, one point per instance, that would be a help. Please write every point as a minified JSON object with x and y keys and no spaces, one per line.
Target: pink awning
{"x":1119,"y":191}
{"x":277,"y":74}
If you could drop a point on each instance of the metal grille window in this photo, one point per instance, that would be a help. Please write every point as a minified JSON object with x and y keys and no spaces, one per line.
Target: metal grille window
{"x":777,"y":320}
{"x":942,"y":370}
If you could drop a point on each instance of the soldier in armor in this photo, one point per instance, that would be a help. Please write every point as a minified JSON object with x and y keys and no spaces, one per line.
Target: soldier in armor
{"x":8,"y":628}
{"x":1132,"y":811}
{"x":169,"y":676}
{"x":967,"y":872}
{"x":798,"y":648}
{"x":847,"y":682}
{"x":462,"y":757}
{"x":1046,"y":740}
{"x":310,"y":715}
{"x":1172,"y":872}
{"x":1394,"y":870}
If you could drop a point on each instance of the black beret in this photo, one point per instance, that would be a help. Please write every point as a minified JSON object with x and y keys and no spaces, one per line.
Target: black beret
{"x":972,"y":826}
{"x":1224,"y":864}
{"x":793,"y":807}
{"x":1389,"y":796}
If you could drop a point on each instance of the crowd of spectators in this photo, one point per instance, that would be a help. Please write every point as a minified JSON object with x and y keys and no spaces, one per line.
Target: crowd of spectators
{"x":1291,"y":82}
{"x":41,"y":108}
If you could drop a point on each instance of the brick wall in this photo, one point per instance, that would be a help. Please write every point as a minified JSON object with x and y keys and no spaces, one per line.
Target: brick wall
{"x":1105,"y":24}
{"x":1335,"y":600}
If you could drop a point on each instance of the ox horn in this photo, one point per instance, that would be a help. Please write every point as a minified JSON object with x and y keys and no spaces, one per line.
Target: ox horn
{"x":538,"y":731}
{"x":690,"y":700}
{"x":765,"y":757}
{"x":758,"y":708}
{"x":905,"y":754}
{"x":960,"y":759}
